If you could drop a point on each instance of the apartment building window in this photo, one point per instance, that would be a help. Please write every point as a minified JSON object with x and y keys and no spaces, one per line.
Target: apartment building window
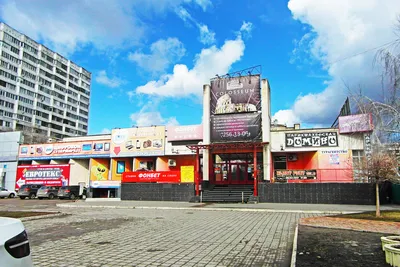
{"x":8,"y":94}
{"x":6,"y":104}
{"x":84,"y":77}
{"x":42,"y":114}
{"x":48,"y":58}
{"x":72,"y":93}
{"x":71,"y":100}
{"x":26,"y":74}
{"x":44,"y":90}
{"x":72,"y":108}
{"x":25,"y":109}
{"x":72,"y":116}
{"x":8,"y":75}
{"x":82,"y":112}
{"x":73,"y":79}
{"x":83,"y":119}
{"x":28,"y":66}
{"x":30,"y":57}
{"x":62,"y":73}
{"x":14,"y":50}
{"x":25,"y":100}
{"x":12,"y":39}
{"x":43,"y":98}
{"x":47,"y":74}
{"x":61,"y":96}
{"x":7,"y":85}
{"x":58,"y":79}
{"x":6,"y":113}
{"x":61,"y":65}
{"x":46,"y":65}
{"x":44,"y":106}
{"x":74,"y":72}
{"x":83,"y":105}
{"x":28,"y":83}
{"x":44,"y":82}
{"x":9,"y":66}
{"x":10,"y":57}
{"x":30,"y":49}
{"x":59,"y":87}
{"x":26,"y":92}
{"x":58,"y":111}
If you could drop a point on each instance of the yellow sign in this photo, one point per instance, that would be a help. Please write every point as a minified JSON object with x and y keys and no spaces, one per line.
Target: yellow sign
{"x":138,"y":141}
{"x":99,"y":169}
{"x":187,"y":174}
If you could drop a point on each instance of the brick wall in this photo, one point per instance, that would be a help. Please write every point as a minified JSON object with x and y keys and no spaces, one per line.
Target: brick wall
{"x":157,"y":192}
{"x":318,"y":193}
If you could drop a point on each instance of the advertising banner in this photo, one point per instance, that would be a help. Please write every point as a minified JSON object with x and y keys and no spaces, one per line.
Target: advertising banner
{"x":235,"y":95}
{"x":283,"y":175}
{"x":187,"y":174}
{"x":236,"y":127}
{"x":152,"y":177}
{"x":321,"y":139}
{"x":105,"y":184}
{"x":82,"y":149}
{"x":99,"y":169}
{"x":185,"y":132}
{"x":55,"y":175}
{"x":355,"y":123}
{"x":138,"y":141}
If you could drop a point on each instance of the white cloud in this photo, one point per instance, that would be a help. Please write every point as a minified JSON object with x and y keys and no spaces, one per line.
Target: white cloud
{"x":246,"y":29}
{"x":340,"y":29}
{"x":113,"y":82}
{"x":184,"y":81}
{"x":207,"y":36}
{"x":66,"y":26}
{"x":148,"y":115}
{"x":105,"y":131}
{"x":285,"y":116}
{"x":162,"y":54}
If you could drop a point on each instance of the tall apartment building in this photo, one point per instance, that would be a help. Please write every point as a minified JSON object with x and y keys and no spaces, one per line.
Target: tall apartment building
{"x":41,"y":92}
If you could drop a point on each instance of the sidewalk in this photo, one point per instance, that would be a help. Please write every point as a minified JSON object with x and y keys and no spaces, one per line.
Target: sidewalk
{"x":260,"y":207}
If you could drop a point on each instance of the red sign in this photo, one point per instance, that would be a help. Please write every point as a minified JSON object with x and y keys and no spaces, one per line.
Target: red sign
{"x":56,"y":175}
{"x":152,"y":177}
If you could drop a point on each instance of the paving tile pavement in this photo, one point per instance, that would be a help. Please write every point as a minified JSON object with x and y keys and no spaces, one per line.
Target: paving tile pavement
{"x":352,"y":224}
{"x":138,"y":237}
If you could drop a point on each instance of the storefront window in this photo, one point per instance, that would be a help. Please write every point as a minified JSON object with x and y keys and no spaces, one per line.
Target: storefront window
{"x":280,"y":162}
{"x":357,"y":164}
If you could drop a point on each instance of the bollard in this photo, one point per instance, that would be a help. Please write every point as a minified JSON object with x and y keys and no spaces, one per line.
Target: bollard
{"x":201,"y":196}
{"x":242,"y":198}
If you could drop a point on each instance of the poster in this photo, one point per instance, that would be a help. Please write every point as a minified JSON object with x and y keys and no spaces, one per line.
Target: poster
{"x":355,"y":123}
{"x":334,"y":159}
{"x":235,"y":95}
{"x":138,"y":141}
{"x":283,"y":175}
{"x":313,"y":139}
{"x":236,"y":127}
{"x":81,"y":149}
{"x":53,"y":174}
{"x":99,"y":169}
{"x":187,"y":174}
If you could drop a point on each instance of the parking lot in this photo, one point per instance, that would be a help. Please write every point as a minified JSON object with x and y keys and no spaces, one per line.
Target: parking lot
{"x":150,"y":237}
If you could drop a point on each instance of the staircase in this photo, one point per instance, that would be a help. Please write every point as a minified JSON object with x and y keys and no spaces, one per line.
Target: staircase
{"x":227,"y":193}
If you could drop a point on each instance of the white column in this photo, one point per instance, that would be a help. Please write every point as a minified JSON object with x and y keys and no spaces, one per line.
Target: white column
{"x":266,"y":127}
{"x":206,"y":130}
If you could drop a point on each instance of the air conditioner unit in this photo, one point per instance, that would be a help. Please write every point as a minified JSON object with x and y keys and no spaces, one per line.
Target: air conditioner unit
{"x":292,"y":157}
{"x":171,"y":163}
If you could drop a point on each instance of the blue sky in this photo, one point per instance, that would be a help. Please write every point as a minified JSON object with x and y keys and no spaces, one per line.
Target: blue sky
{"x":150,"y":58}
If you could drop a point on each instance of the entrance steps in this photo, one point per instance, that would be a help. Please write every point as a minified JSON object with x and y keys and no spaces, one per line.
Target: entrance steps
{"x":227,"y":193}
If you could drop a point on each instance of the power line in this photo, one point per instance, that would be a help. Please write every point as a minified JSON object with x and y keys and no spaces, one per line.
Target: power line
{"x":363,"y":52}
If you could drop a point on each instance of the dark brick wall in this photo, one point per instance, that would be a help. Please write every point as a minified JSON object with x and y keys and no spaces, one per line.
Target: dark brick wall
{"x":157,"y":192}
{"x":318,"y":193}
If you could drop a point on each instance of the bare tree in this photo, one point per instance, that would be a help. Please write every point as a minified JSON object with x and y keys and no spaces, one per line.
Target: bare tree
{"x":381,"y":166}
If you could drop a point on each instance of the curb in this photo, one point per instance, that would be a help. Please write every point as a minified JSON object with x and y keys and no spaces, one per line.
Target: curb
{"x":32,"y":218}
{"x":200,"y":209}
{"x":294,"y":250}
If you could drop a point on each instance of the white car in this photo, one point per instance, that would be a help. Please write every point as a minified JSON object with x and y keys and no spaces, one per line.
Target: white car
{"x":7,"y":193}
{"x":14,"y":244}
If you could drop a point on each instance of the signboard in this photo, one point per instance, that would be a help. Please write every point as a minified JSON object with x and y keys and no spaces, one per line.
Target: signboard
{"x":283,"y":175}
{"x":355,"y":123}
{"x":82,"y":149}
{"x":315,"y":139}
{"x":185,"y":132}
{"x":139,"y":141}
{"x":236,"y":127}
{"x":152,"y":177}
{"x":235,"y":95}
{"x":367,"y":146}
{"x":105,"y":184}
{"x":54,"y":175}
{"x":187,"y":174}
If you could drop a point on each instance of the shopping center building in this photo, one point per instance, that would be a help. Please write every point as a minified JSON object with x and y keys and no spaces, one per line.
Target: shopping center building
{"x":237,"y":154}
